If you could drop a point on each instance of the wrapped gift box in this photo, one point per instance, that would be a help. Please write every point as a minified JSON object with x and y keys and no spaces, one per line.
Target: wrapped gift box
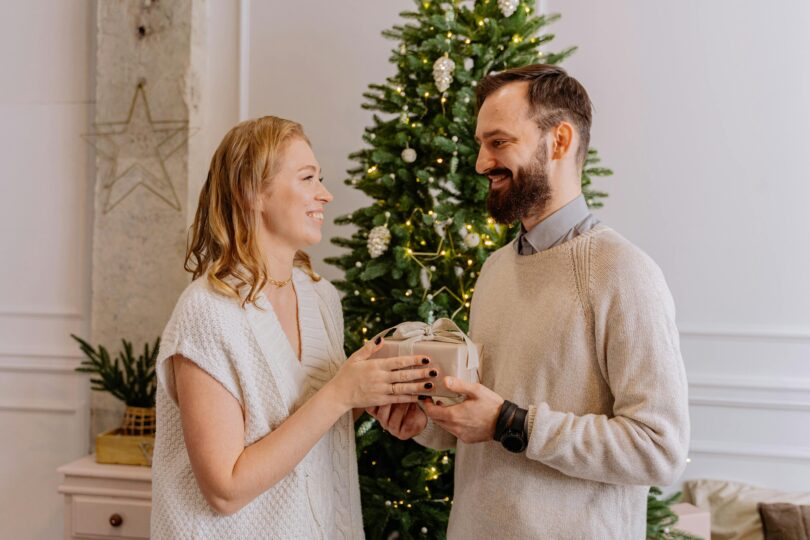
{"x":450,"y":351}
{"x":693,"y":520}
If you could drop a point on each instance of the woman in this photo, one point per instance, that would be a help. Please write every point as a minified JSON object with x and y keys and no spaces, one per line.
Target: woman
{"x":255,"y":427}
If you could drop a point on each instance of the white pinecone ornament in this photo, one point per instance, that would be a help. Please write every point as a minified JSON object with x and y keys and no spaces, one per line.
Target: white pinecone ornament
{"x":508,"y":6}
{"x":441,"y":227}
{"x":443,"y":69}
{"x":424,"y":279}
{"x":378,"y":239}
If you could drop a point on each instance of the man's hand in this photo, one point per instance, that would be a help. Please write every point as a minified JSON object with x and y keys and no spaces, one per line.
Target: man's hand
{"x":402,"y":420}
{"x":474,"y":419}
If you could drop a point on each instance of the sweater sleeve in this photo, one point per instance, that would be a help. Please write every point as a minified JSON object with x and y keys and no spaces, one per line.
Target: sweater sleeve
{"x":198,"y":331}
{"x":435,"y":437}
{"x":645,"y":439}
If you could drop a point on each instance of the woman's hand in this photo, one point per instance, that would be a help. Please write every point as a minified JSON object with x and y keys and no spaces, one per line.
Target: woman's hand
{"x":362,"y":382}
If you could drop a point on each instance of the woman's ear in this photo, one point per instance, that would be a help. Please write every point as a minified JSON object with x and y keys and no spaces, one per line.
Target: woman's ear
{"x":262,"y":196}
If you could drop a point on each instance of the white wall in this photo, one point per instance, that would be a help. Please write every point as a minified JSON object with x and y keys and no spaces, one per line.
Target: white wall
{"x":702,"y":110}
{"x":46,"y":169}
{"x":312,"y":64}
{"x":220,"y":91}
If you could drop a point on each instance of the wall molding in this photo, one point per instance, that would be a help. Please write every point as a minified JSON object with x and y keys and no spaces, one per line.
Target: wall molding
{"x":72,"y":355}
{"x":750,"y":404}
{"x":28,"y":313}
{"x":749,"y":383}
{"x":764,"y":393}
{"x":41,"y":407}
{"x":758,"y":451}
{"x":39,"y":365}
{"x":761,"y":332}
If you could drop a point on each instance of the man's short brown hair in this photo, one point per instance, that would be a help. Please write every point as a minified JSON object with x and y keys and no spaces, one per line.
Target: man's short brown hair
{"x":554,"y":96}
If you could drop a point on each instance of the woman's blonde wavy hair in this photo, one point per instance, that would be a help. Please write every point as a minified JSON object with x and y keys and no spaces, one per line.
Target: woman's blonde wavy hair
{"x":223,"y":238}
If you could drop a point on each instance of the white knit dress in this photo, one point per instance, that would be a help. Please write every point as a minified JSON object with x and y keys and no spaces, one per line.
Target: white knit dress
{"x":247,"y":351}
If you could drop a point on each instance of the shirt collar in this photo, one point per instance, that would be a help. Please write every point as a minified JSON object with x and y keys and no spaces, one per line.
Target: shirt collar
{"x":546,"y":233}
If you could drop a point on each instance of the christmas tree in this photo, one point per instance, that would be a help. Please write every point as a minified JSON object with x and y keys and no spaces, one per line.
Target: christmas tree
{"x":418,"y":248}
{"x":661,"y":519}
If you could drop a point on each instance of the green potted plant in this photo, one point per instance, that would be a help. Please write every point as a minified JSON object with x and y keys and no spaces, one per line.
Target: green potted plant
{"x":131,"y":379}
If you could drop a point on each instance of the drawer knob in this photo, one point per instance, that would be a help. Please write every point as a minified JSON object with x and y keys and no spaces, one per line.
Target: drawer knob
{"x":116,"y":520}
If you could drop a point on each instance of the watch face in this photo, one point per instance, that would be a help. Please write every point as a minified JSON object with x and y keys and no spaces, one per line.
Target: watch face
{"x":513,"y":442}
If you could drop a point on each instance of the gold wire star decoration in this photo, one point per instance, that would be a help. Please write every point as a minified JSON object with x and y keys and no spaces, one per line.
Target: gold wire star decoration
{"x":134,"y":153}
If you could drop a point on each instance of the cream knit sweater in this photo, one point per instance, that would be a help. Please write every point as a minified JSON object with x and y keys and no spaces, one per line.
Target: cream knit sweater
{"x":584,"y":335}
{"x":247,"y":351}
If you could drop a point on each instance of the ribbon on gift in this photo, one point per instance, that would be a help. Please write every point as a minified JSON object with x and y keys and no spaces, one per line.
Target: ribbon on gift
{"x":444,"y":330}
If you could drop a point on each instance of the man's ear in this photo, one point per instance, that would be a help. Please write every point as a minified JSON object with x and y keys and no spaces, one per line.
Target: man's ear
{"x":563,"y":140}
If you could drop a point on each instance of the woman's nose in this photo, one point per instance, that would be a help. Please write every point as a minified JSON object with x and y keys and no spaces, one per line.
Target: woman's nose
{"x":324,"y":195}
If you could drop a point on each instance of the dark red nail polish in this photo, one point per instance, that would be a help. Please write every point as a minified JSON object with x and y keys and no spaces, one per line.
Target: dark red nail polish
{"x":433,"y":373}
{"x":428,"y":385}
{"x":425,"y":360}
{"x":423,"y":398}
{"x":377,"y":340}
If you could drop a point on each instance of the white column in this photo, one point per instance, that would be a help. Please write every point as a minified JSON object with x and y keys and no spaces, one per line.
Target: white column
{"x":150,"y":61}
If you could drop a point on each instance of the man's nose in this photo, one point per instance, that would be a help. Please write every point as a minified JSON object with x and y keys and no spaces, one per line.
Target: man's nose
{"x":485,"y":161}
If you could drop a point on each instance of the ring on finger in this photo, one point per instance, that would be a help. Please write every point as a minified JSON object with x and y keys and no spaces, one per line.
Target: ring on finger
{"x":393,"y":389}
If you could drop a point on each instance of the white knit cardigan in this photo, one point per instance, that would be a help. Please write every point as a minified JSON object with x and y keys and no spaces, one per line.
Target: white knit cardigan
{"x":247,"y":352}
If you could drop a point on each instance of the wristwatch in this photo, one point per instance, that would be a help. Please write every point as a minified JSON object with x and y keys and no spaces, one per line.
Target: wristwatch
{"x":504,"y":416}
{"x":514,"y":438}
{"x":510,"y":427}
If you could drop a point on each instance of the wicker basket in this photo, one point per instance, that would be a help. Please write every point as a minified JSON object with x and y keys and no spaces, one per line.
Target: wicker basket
{"x":139,"y":421}
{"x":115,"y":447}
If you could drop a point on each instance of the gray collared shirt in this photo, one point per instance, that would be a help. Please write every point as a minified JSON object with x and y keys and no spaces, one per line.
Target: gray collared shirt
{"x":565,"y":224}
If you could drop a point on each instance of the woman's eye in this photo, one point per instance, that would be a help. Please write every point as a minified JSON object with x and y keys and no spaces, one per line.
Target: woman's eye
{"x":322,"y":179}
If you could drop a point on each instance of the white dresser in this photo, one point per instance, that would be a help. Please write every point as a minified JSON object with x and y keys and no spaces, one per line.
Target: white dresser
{"x":106,"y":501}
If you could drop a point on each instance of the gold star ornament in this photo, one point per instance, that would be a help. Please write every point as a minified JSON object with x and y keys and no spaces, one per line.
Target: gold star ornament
{"x":134,"y":153}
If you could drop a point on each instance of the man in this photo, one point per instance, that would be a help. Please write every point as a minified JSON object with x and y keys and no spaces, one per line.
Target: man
{"x":583,"y":397}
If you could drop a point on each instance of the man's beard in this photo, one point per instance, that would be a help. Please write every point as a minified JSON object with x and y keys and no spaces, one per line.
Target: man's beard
{"x":528,"y":191}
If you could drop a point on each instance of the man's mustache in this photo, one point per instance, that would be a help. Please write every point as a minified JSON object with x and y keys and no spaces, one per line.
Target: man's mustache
{"x":499,"y":172}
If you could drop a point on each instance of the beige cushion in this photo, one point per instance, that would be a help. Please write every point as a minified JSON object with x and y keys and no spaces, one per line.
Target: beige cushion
{"x":733,"y":506}
{"x":785,"y":521}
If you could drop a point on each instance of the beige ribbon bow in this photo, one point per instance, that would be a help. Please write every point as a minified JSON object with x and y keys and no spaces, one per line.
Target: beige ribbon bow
{"x":444,"y":330}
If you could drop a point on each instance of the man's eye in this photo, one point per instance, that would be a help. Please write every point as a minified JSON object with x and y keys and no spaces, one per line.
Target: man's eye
{"x":322,"y":179}
{"x":498,"y":143}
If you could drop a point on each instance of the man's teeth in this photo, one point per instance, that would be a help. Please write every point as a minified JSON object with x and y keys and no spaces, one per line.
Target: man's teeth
{"x":316,"y":215}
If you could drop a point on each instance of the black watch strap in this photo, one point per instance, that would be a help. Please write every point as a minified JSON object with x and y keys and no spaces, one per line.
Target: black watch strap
{"x":519,"y":422}
{"x":504,"y":416}
{"x":514,"y":437}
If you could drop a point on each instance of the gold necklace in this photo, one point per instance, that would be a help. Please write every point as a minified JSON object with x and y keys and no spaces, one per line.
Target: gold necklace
{"x":278,"y":283}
